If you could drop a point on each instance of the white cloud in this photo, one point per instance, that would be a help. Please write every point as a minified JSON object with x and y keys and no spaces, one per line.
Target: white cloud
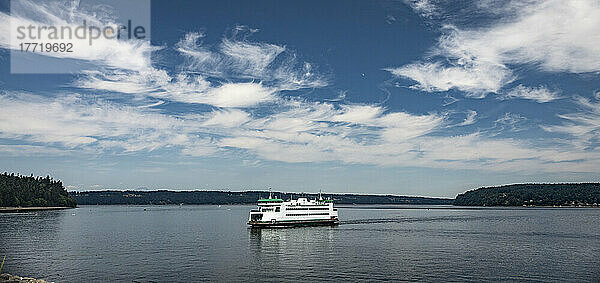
{"x":297,"y":131}
{"x":358,"y":114}
{"x":584,"y":125}
{"x":227,"y":118}
{"x":540,"y":94}
{"x":556,"y":35}
{"x":311,"y":132}
{"x":132,"y":82}
{"x":201,"y":147}
{"x":130,"y":55}
{"x":401,"y":126}
{"x":424,"y":7}
{"x":470,"y":119}
{"x":218,"y":78}
{"x":237,"y":95}
{"x":236,"y":58}
{"x":239,"y":76}
{"x":252,"y":58}
{"x":474,"y":148}
{"x":198,"y":56}
{"x":30,"y":150}
{"x":475,"y":77}
{"x":233,"y":57}
{"x":183,"y":88}
{"x":71,"y":122}
{"x":510,"y":121}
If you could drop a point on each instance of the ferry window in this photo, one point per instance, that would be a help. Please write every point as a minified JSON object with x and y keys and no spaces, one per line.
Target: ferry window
{"x":277,"y":209}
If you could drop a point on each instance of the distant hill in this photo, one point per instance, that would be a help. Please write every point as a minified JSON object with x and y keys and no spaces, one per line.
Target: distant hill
{"x":30,"y":191}
{"x":224,"y":197}
{"x":584,"y":194}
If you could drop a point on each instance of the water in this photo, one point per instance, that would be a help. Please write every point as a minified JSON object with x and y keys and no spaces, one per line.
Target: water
{"x":212,"y":243}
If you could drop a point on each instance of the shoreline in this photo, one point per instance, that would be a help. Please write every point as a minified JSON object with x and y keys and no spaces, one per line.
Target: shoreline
{"x":5,"y":277}
{"x":368,"y":206}
{"x":33,"y":208}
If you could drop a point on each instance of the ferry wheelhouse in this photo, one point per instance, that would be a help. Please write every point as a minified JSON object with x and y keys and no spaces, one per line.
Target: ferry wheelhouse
{"x":275,"y":212}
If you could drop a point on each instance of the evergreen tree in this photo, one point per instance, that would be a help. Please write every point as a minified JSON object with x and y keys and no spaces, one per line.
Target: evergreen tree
{"x":585,"y":194}
{"x":17,"y":190}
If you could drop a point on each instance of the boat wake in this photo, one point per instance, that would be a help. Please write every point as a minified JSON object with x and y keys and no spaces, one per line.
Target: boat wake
{"x":413,"y":219}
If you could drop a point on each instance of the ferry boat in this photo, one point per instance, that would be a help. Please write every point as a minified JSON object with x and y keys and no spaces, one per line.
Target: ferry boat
{"x":274,"y":212}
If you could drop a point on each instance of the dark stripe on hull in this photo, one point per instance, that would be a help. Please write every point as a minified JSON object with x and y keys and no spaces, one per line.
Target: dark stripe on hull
{"x":326,"y":222}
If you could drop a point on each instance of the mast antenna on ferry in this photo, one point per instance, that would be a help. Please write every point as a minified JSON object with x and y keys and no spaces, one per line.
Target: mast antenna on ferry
{"x":270,"y":194}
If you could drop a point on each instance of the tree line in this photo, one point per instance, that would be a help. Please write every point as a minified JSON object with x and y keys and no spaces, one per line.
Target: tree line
{"x":225,"y":197}
{"x":27,"y":191}
{"x":574,"y":194}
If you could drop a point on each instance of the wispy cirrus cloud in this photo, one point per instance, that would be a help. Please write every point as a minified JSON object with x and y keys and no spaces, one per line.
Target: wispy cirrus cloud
{"x":30,"y":150}
{"x":140,"y":82}
{"x":239,"y":58}
{"x":251,"y":59}
{"x":510,"y":122}
{"x":104,"y":52}
{"x":322,"y":131}
{"x":470,"y":119}
{"x":426,"y":8}
{"x":474,"y":77}
{"x":241,"y":82}
{"x":539,"y":94}
{"x":228,"y":118}
{"x":232,"y":57}
{"x":183,"y":88}
{"x":297,"y":131}
{"x":239,"y":73}
{"x":554,"y":35}
{"x":583,"y":126}
{"x":70,"y":121}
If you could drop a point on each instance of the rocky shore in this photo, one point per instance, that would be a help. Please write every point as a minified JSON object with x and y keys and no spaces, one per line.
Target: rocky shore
{"x":7,"y":278}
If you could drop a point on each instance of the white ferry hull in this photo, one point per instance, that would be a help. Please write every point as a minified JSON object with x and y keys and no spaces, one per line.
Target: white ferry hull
{"x":291,"y":223}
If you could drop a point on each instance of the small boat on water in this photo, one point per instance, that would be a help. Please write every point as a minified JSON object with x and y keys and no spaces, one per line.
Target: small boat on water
{"x":275,"y":212}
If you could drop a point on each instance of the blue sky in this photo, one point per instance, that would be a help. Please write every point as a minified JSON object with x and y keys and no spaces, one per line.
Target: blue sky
{"x":405,"y":97}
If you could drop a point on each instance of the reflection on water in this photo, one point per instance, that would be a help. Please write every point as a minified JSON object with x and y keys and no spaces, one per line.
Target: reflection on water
{"x":211,"y":243}
{"x":295,"y":241}
{"x":33,"y":231}
{"x":293,"y":253}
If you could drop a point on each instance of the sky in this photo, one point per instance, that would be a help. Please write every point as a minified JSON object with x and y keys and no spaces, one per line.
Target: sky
{"x":413,"y":97}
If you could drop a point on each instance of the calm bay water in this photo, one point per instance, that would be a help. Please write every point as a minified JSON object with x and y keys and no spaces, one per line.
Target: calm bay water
{"x":212,"y":243}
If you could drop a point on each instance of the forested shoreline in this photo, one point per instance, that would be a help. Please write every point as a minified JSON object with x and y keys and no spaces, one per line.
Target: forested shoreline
{"x":29,"y":191}
{"x":568,"y":194}
{"x":228,"y":197}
